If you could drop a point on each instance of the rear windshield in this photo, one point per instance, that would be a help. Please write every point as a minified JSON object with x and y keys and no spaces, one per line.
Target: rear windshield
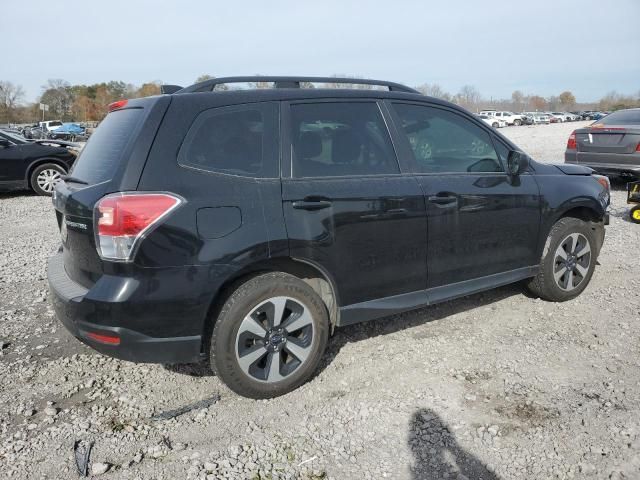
{"x":102,"y":155}
{"x":622,"y":117}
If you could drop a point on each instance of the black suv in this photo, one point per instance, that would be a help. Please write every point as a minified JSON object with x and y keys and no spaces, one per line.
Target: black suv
{"x":243,"y":226}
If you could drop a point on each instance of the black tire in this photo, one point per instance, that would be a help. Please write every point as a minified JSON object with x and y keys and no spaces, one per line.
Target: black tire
{"x":50,"y":171}
{"x":227,"y":339}
{"x":517,"y":123}
{"x":495,"y":124}
{"x":634,"y":214}
{"x":544,"y":284}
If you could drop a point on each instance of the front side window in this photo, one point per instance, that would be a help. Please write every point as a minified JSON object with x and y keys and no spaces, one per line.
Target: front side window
{"x":444,"y":142}
{"x":340,"y":139}
{"x":230,"y":140}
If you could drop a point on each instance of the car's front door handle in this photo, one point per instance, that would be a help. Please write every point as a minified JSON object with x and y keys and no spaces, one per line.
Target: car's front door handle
{"x":311,"y":204}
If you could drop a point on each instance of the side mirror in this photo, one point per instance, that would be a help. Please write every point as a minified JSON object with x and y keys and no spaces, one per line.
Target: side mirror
{"x":5,"y":143}
{"x":517,"y":162}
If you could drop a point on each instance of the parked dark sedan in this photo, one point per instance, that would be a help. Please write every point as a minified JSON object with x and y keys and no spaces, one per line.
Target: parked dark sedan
{"x":31,"y":165}
{"x":610,"y":146}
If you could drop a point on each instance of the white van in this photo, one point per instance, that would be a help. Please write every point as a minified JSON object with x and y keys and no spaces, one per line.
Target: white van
{"x":50,"y":125}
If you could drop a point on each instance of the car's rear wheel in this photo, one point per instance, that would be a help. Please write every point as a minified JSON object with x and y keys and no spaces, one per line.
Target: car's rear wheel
{"x":269,"y":336}
{"x":634,"y":214}
{"x":45,"y":177}
{"x":495,"y":124}
{"x":568,"y":261}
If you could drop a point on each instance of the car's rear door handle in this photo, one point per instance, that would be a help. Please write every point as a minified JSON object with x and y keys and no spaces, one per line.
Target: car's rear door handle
{"x":311,"y":204}
{"x":444,"y":200}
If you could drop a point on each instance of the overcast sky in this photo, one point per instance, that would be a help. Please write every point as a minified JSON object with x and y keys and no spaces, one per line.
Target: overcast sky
{"x":540,"y":47}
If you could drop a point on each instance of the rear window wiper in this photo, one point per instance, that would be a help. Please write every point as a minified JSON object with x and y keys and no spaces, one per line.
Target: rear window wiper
{"x":69,"y":178}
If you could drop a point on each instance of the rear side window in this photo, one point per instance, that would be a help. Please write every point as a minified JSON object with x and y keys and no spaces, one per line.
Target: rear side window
{"x":103,"y":153}
{"x":340,"y":139}
{"x":443,"y":141}
{"x":236,"y":140}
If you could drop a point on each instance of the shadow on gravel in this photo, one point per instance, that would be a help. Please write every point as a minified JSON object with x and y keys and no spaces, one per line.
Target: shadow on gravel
{"x":395,"y":323}
{"x":201,"y":369}
{"x":437,"y":454}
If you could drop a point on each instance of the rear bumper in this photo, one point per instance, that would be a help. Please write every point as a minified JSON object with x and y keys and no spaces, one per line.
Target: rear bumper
{"x":96,"y":311}
{"x":611,"y":164}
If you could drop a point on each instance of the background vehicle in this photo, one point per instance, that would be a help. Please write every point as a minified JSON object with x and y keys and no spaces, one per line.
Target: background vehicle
{"x":509,"y":117}
{"x":539,"y":117}
{"x":610,"y":146}
{"x":492,"y":121}
{"x":192,"y":239}
{"x":527,"y":119}
{"x":68,"y":131}
{"x":25,"y":164}
{"x":50,"y":125}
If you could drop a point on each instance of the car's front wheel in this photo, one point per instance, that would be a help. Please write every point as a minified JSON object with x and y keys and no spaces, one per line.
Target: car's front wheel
{"x":517,"y":123}
{"x":269,"y":336}
{"x":45,"y":177}
{"x":568,"y":261}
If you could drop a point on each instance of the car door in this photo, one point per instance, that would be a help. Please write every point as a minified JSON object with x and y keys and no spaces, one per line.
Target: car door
{"x":481,"y":221}
{"x":348,"y":209}
{"x":12,"y":168}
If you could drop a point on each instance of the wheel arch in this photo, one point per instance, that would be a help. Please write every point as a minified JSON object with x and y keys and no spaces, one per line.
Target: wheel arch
{"x":312,"y":274}
{"x":41,"y":161}
{"x":588,"y":211}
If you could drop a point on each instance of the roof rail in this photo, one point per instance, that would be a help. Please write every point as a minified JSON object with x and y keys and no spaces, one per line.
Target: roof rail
{"x":293,"y":82}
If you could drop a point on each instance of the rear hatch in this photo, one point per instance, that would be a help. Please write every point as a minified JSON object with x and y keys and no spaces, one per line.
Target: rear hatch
{"x":111,"y":161}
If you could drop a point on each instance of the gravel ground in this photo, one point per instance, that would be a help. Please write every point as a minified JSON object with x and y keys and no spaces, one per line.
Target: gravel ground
{"x":494,"y":386}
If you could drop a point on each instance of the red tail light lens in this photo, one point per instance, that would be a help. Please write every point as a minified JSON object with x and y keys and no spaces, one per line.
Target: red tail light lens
{"x":571,"y":143}
{"x":123,"y":219}
{"x":108,"y":339}
{"x":117,"y":105}
{"x":638,"y":147}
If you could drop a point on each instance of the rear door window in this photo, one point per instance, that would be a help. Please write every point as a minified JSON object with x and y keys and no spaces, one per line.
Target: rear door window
{"x":237,"y":140}
{"x":340,"y":139}
{"x":104,"y":152}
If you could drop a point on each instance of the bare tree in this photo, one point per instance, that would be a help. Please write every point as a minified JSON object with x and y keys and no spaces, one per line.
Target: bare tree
{"x":517,"y":101}
{"x":434,"y":90}
{"x":10,"y":97}
{"x":469,"y":97}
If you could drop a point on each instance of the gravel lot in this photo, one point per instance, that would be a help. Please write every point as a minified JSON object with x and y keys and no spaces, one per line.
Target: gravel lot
{"x":495,"y":386}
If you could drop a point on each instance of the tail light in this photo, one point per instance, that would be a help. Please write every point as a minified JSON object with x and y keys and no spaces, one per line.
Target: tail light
{"x":638,"y":147}
{"x":122,"y":220}
{"x":571,"y":143}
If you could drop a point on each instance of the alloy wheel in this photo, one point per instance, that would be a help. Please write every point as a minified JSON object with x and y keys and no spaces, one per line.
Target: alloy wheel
{"x":572,"y":261}
{"x":48,"y":178}
{"x":275,"y":339}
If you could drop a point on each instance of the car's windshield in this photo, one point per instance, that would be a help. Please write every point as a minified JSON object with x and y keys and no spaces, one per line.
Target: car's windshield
{"x":622,"y":117}
{"x":12,"y":136}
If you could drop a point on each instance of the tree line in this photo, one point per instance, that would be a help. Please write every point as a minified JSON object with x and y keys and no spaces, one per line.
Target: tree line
{"x":81,"y":103}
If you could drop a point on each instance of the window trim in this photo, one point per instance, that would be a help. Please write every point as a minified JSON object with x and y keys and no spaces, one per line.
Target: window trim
{"x":270,"y":141}
{"x":408,"y":154}
{"x":287,"y":140}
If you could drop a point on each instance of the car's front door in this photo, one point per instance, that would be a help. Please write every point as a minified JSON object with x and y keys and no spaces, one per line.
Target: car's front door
{"x":11,"y":160}
{"x":481,"y":221}
{"x":348,"y":209}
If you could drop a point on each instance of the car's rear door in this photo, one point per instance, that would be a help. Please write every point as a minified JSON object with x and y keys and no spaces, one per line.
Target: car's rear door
{"x":481,"y":222}
{"x":348,"y":209}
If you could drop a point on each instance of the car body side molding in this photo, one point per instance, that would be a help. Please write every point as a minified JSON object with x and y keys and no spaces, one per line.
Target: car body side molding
{"x":382,"y":307}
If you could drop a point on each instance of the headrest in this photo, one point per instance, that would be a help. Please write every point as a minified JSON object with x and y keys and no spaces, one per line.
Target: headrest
{"x":346,"y":147}
{"x":309,"y":145}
